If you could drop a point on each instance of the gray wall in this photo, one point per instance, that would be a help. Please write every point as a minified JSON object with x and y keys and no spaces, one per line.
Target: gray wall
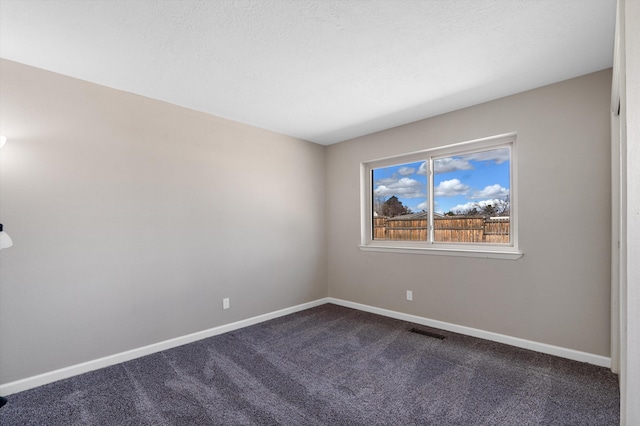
{"x":559,"y":292}
{"x":133,"y":218}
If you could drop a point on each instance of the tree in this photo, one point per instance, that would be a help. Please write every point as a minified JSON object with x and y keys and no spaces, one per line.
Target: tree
{"x":496,"y":208}
{"x":471,"y":211}
{"x":378,"y":202}
{"x":504,"y":207}
{"x":394,"y":207}
{"x":489,"y":210}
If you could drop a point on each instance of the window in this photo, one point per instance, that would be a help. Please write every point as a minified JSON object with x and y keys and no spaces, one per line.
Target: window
{"x":456,"y":200}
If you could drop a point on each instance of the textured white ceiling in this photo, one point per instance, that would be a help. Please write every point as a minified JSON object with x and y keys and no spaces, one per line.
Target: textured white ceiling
{"x":320,"y":70}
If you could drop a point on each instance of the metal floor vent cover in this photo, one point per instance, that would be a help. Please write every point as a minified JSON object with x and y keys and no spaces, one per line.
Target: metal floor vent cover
{"x":427,"y":333}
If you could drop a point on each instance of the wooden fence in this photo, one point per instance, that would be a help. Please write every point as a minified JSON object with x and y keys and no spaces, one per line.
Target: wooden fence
{"x":459,"y":229}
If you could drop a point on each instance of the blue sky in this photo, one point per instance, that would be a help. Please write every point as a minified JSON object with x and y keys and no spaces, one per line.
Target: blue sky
{"x":459,"y":181}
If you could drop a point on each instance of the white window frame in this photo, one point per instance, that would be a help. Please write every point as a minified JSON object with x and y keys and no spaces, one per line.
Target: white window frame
{"x":487,"y":250}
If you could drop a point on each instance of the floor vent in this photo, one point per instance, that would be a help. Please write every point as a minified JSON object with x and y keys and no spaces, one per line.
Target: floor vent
{"x":427,"y":333}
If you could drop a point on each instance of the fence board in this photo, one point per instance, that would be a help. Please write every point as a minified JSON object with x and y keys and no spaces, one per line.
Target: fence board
{"x":459,"y":229}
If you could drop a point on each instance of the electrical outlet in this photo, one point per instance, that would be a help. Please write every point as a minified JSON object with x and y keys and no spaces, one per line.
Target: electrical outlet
{"x":409,"y":295}
{"x":225,"y":303}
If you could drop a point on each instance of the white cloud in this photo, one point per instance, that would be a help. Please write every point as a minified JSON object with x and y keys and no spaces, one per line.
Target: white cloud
{"x":422,"y":206}
{"x":462,"y":162}
{"x":386,"y":181}
{"x":481,"y":204}
{"x":451,"y":188}
{"x":491,"y":191}
{"x":463,"y":207}
{"x":499,"y":156}
{"x":423,"y":169}
{"x":405,"y":171}
{"x":405,"y":181}
{"x":403,"y":187}
{"x":450,"y":164}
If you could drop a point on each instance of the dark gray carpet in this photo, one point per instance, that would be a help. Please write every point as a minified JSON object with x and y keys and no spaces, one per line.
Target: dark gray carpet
{"x":329,"y":365}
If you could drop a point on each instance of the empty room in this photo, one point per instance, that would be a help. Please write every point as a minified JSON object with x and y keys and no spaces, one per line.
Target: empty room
{"x":311,"y":212}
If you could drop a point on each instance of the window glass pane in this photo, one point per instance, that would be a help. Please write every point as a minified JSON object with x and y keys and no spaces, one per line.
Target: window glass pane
{"x":400,"y":202}
{"x":471,"y":197}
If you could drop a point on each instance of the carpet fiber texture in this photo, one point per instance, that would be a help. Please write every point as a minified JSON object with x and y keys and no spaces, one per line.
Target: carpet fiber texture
{"x":329,"y":366}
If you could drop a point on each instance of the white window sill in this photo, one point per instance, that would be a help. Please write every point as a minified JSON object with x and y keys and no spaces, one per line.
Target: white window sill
{"x":487,"y":254}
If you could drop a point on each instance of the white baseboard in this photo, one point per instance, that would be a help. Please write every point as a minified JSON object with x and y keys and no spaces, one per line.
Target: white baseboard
{"x":598,"y":360}
{"x":64,"y":373}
